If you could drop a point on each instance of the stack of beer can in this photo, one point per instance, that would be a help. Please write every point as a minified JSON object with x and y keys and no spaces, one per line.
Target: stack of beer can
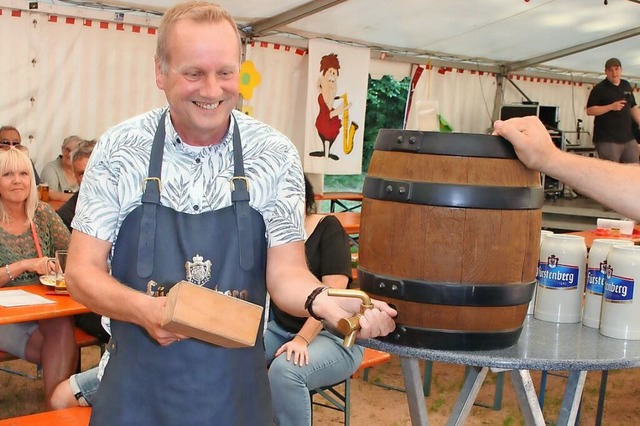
{"x":606,"y":281}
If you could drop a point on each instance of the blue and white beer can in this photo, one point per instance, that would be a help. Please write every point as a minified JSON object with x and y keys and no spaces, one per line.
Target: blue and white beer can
{"x":561,"y":275}
{"x":532,"y":304}
{"x":620,"y":315}
{"x":596,"y":275}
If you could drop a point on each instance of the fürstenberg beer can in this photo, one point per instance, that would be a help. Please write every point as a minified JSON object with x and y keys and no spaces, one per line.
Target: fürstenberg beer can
{"x":596,"y":274}
{"x":561,"y":273}
{"x":543,"y":232}
{"x":620,"y":316}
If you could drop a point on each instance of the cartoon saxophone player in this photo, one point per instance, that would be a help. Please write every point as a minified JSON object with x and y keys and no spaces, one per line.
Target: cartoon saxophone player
{"x":328,"y":122}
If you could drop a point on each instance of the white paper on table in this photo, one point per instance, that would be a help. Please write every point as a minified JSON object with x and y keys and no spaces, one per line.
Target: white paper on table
{"x":10,"y":298}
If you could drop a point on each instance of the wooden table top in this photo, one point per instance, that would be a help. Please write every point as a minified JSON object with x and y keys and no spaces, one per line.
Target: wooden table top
{"x":64,"y":306}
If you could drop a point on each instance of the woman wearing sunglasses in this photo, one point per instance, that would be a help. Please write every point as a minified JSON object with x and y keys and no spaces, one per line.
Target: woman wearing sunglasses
{"x":10,"y":136}
{"x":31,"y":232}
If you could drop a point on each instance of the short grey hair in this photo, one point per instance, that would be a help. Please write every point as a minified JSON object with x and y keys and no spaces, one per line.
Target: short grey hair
{"x":198,"y":11}
{"x":83,"y":150}
{"x":70,"y":139}
{"x":9,"y":127}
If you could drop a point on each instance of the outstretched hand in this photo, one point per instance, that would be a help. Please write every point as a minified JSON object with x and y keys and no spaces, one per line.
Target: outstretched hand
{"x":530,"y":138}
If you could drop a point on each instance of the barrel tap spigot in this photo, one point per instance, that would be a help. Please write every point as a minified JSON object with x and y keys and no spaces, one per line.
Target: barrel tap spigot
{"x":349,"y":326}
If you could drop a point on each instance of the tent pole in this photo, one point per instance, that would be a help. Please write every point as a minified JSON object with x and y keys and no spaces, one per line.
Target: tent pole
{"x":499,"y":98}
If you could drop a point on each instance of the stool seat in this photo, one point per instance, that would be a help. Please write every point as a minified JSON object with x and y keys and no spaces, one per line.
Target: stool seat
{"x":370,"y":359}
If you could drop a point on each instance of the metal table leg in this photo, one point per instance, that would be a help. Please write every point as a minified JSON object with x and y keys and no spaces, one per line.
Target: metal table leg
{"x":415,"y":395}
{"x":527,"y":398}
{"x":572,"y":396}
{"x":603,"y":391}
{"x":468,"y":394}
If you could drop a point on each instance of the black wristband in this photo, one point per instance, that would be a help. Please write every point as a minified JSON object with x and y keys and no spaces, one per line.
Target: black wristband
{"x":308,"y":304}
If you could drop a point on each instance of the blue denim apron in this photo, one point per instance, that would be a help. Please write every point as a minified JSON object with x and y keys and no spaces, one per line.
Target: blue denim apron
{"x":188,"y":382}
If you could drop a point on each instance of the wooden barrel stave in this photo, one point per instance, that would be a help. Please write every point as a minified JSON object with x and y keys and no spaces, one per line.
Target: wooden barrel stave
{"x":451,"y":245}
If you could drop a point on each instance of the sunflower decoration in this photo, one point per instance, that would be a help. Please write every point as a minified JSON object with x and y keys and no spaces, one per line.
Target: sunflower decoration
{"x":249,"y":79}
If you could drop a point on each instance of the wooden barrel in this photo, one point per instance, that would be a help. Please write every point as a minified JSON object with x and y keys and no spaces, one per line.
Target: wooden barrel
{"x":450,"y":236}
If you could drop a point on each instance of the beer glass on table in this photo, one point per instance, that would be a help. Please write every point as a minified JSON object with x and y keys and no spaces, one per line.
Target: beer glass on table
{"x":60,"y":266}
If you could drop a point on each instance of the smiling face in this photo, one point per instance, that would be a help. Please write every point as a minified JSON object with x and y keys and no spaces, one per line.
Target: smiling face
{"x":15,"y":178}
{"x":201,"y":82}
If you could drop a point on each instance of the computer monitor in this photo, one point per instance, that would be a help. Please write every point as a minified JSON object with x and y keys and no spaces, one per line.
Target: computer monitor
{"x":550,"y":115}
{"x":518,"y":110}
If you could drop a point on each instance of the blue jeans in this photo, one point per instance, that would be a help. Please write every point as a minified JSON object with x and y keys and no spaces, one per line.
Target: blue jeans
{"x":85,"y":385}
{"x":329,"y":363}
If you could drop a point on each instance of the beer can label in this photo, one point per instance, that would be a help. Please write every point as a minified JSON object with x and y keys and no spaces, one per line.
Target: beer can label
{"x":618,"y":289}
{"x":553,"y":275}
{"x":596,"y":278}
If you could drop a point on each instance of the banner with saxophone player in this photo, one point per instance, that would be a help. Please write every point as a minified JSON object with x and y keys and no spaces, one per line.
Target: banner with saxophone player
{"x":336,"y":102}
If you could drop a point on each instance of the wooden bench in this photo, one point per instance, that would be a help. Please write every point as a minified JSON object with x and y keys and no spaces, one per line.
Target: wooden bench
{"x":83,"y":340}
{"x":76,"y":416}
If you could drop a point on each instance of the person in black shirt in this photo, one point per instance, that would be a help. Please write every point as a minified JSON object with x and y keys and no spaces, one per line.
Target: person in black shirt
{"x":302,"y":355}
{"x":89,"y":322}
{"x":79,"y":159}
{"x":612,"y":103}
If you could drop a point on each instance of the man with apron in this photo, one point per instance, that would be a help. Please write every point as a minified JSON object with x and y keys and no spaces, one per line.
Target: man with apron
{"x":197,"y":192}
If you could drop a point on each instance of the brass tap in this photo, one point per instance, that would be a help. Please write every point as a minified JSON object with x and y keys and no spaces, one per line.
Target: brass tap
{"x":349,"y":326}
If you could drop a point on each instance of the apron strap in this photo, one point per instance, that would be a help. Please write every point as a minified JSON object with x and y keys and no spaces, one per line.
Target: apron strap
{"x":150,"y":201}
{"x":240,"y":198}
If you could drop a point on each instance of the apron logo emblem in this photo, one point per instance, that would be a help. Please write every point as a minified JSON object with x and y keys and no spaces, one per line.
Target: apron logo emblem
{"x":198,"y":272}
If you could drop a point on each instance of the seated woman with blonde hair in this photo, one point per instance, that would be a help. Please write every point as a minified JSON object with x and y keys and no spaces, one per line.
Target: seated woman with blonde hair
{"x":30,"y":233}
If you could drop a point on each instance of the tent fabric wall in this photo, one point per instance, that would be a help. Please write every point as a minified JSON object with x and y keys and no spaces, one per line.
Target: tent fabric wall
{"x":82,"y":75}
{"x":465,"y":98}
{"x":72,"y":76}
{"x":279,"y":99}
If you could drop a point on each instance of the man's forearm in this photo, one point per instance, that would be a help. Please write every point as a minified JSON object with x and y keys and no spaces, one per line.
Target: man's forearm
{"x":635,"y":114}
{"x":598,"y":110}
{"x":612,"y":184}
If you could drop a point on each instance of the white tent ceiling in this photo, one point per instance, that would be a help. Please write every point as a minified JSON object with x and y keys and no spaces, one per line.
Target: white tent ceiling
{"x":574,"y":36}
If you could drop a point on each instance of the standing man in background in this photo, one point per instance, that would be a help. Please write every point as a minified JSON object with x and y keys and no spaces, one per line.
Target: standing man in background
{"x":612,"y":104}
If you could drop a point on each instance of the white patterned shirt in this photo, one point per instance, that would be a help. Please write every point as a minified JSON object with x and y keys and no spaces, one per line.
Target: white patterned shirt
{"x":193,"y":180}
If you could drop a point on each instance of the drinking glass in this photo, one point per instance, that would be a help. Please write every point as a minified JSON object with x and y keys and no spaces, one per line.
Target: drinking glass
{"x":60,"y":266}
